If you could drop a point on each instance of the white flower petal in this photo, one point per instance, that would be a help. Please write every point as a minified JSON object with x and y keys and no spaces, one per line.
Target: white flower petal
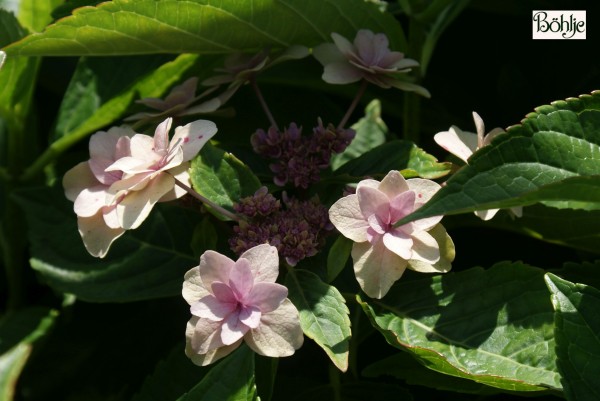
{"x":77,"y":179}
{"x":279,"y":333}
{"x":264,"y":262}
{"x":193,"y":288}
{"x":90,"y":201}
{"x":208,"y":357}
{"x":425,"y":247}
{"x":460,"y":143}
{"x":328,"y":53}
{"x":136,"y":205}
{"x":447,"y":253}
{"x":398,"y":242}
{"x":424,"y":190}
{"x":376,"y":268}
{"x":96,"y":235}
{"x":486,"y":214}
{"x":393,"y":184}
{"x":214,"y":267}
{"x":341,"y":73}
{"x":346,"y":216}
{"x":344,"y":45}
{"x":232,"y":329}
{"x":209,"y":307}
{"x":193,"y":136}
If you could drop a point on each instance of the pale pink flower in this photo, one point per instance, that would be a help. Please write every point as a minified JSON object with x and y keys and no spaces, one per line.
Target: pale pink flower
{"x":151,"y":170}
{"x":87,"y":185}
{"x":239,"y":301}
{"x":178,"y":103}
{"x":368,"y":58}
{"x":463,"y":144}
{"x":382,"y":252}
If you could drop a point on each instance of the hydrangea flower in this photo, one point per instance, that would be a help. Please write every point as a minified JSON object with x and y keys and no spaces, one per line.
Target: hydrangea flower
{"x":382,"y":252}
{"x":463,"y":144}
{"x":239,"y":301}
{"x":127,"y":174}
{"x":369,"y":58}
{"x":177,"y":103}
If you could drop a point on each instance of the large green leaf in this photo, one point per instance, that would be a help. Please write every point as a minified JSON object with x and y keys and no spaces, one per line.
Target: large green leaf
{"x":553,"y":157}
{"x":146,"y":263}
{"x":205,"y":26}
{"x":221,"y":177}
{"x":18,"y":333}
{"x":323,"y":314}
{"x":101,"y":91}
{"x":231,"y":380}
{"x":493,"y":326}
{"x":577,"y":337}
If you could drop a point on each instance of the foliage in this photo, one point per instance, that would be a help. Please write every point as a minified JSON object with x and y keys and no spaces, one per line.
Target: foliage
{"x":295,"y":151}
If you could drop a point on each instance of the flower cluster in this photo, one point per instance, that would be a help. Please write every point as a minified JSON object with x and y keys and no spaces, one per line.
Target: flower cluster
{"x":368,"y":58}
{"x":463,"y":144}
{"x":382,"y":252}
{"x":127,"y":174}
{"x":296,"y":231}
{"x":231,"y":302}
{"x":296,"y":158}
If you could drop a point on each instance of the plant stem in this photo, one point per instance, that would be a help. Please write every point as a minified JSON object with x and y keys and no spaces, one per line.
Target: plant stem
{"x":335,"y":382}
{"x":262,"y":102}
{"x":359,"y":94}
{"x":206,"y":201}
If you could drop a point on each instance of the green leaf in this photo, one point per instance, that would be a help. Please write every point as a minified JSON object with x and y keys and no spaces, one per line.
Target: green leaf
{"x":221,"y":177}
{"x":146,"y":263}
{"x":195,"y":26}
{"x":394,"y":155}
{"x":323,"y":314}
{"x":338,"y":256}
{"x":204,"y":237}
{"x":231,"y":380}
{"x":35,"y":15}
{"x":493,"y":326}
{"x":552,"y":157}
{"x":577,"y":337}
{"x":19,"y":332}
{"x":97,"y":96}
{"x":370,"y":133}
{"x":172,"y":378}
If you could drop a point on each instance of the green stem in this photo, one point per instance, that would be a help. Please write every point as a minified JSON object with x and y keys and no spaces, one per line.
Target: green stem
{"x":353,"y":347}
{"x":206,"y":201}
{"x":412,"y":101}
{"x":359,"y":94}
{"x":335,"y":382}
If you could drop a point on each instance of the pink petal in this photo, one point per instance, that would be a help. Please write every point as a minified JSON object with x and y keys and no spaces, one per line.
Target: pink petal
{"x":142,"y":148}
{"x":399,"y":242}
{"x":136,"y":205}
{"x":460,"y":143}
{"x":393,"y":184}
{"x":279,"y":333}
{"x":193,"y":136}
{"x":161,"y":136}
{"x":328,"y":53}
{"x":343,"y":44}
{"x":241,"y":279}
{"x":377,"y":225}
{"x":374,"y":202}
{"x":98,"y":167}
{"x":206,"y":336}
{"x":250,"y":316}
{"x":210,"y":307}
{"x":110,"y":216}
{"x":346,"y":216}
{"x":376,"y":268}
{"x":97,"y":236}
{"x":207,"y":357}
{"x":90,"y":201}
{"x":103,"y":144}
{"x":232,"y":329}
{"x":214,"y":267}
{"x":77,"y":179}
{"x":266,"y":296}
{"x":264,"y":263}
{"x":181,"y":174}
{"x":402,"y":205}
{"x":491,"y":135}
{"x":129,"y":165}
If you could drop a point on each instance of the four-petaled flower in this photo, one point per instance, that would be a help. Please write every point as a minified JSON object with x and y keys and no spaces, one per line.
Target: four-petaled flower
{"x":382,"y":252}
{"x":127,"y":174}
{"x":368,"y":58}
{"x":239,"y":301}
{"x":463,"y":144}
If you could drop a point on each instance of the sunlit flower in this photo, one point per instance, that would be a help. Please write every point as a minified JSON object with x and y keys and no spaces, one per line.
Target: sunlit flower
{"x":2,"y":58}
{"x":87,"y":185}
{"x":463,"y":144}
{"x":368,"y":58}
{"x":382,"y":252}
{"x":151,"y":171}
{"x":239,"y":301}
{"x":178,"y":103}
{"x":127,"y":174}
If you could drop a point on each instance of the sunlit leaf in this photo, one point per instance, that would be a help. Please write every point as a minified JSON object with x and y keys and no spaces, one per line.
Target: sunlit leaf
{"x":552,"y":157}
{"x":323,"y":314}
{"x":197,"y":26}
{"x":577,"y":337}
{"x":493,"y":326}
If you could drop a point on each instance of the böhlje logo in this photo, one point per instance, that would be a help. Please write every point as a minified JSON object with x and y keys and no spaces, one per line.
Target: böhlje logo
{"x":559,"y":24}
